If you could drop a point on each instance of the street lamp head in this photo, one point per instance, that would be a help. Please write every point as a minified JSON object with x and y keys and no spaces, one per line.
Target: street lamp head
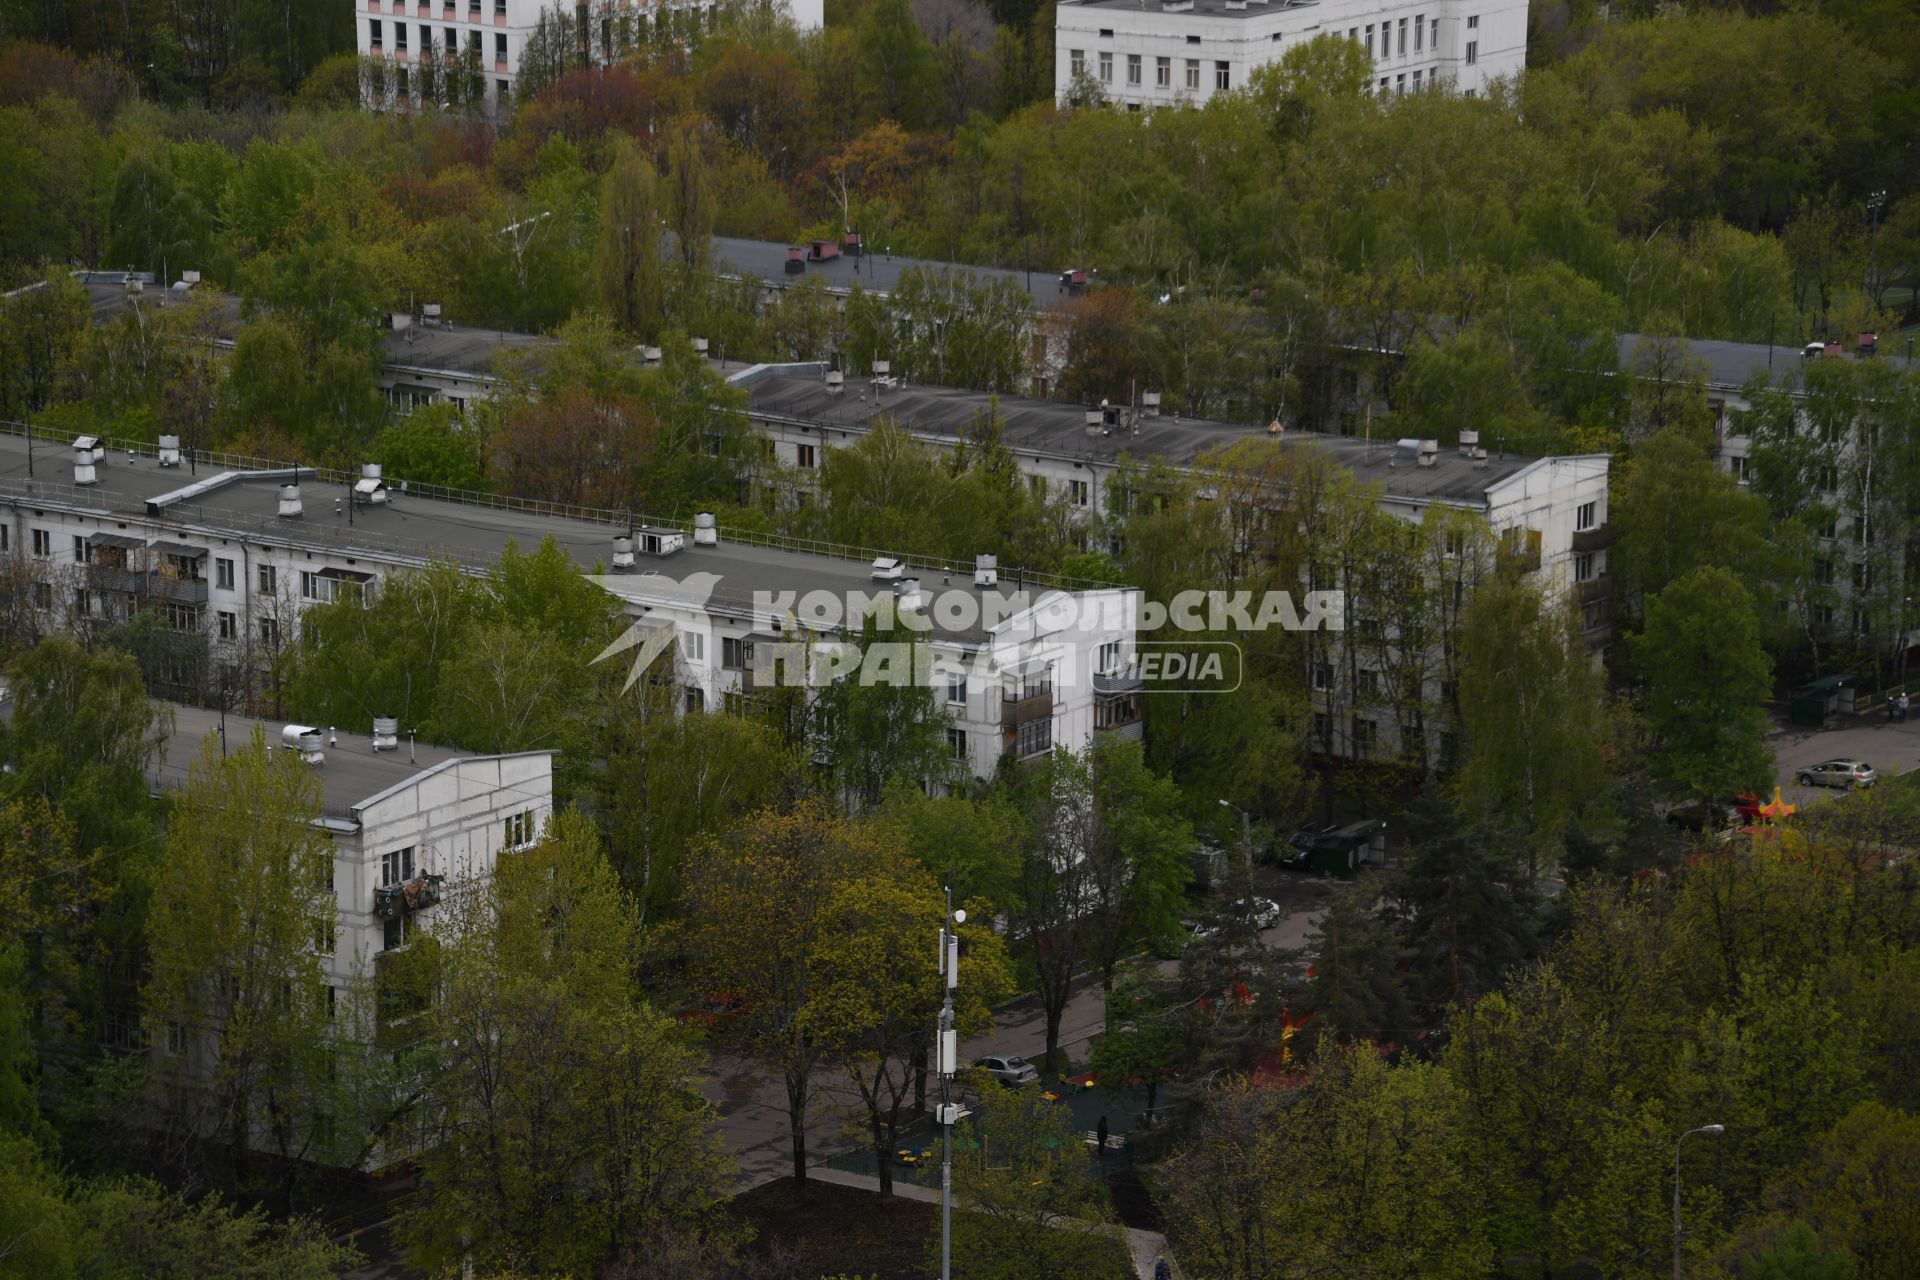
{"x":960,"y":916}
{"x":1225,"y":805}
{"x":1715,"y":1129}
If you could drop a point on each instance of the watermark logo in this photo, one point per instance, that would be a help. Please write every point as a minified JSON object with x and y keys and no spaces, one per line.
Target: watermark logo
{"x":1088,"y":639}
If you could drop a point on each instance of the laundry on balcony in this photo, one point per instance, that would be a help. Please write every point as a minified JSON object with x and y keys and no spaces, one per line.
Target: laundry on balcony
{"x":412,"y":895}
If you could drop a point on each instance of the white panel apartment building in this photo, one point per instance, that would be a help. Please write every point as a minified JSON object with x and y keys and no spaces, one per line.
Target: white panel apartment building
{"x":1156,"y":53}
{"x":90,"y":535}
{"x":493,"y":34}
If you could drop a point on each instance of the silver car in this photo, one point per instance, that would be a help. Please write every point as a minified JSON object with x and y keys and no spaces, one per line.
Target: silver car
{"x":1838,"y":773}
{"x":1014,"y":1071}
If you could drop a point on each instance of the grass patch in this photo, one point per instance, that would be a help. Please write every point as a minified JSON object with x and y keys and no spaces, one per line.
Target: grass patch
{"x":835,"y":1230}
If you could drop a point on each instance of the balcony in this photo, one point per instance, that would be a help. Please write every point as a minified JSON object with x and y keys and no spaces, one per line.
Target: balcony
{"x":1598,"y":538}
{"x":1016,"y":711}
{"x":417,"y":894}
{"x":1593,"y":589}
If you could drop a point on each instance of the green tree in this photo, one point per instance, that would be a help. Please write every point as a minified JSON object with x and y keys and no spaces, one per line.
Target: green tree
{"x":567,"y":1132}
{"x":1029,"y":1204}
{"x":1677,"y":511}
{"x":1531,"y":715}
{"x":432,"y":445}
{"x":1707,"y":681}
{"x":243,"y":919}
{"x":627,"y":255}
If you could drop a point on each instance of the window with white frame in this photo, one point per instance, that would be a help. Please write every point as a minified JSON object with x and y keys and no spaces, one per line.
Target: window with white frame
{"x":1473,"y":52}
{"x":1223,"y":75}
{"x":957,"y":743}
{"x":42,"y":544}
{"x":1111,"y":652}
{"x":396,"y":866}
{"x":1163,"y":73}
{"x":223,"y":574}
{"x":693,"y":646}
{"x":1419,"y":32}
{"x":1401,"y":32}
{"x":956,"y":688}
{"x":1077,"y":62}
{"x":1583,"y":567}
{"x":1033,"y":738}
{"x":229,"y":626}
{"x":1080,"y":491}
{"x":1106,"y":67}
{"x":1585,"y":515}
{"x":269,"y":580}
{"x":1193,"y":73}
{"x":736,"y":653}
{"x":270,"y":632}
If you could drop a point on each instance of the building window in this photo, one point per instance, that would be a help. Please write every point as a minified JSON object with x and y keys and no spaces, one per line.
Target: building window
{"x":1163,"y":73}
{"x":1078,"y":61}
{"x":806,"y":456}
{"x":693,"y":646}
{"x":957,"y":688}
{"x":1473,"y":22}
{"x":373,"y":33}
{"x":394,"y":936}
{"x":396,"y":867}
{"x":323,"y":938}
{"x":1080,"y":491}
{"x":1583,"y":567}
{"x":1737,"y":468}
{"x":1583,"y":517}
{"x":1109,"y":658}
{"x":1222,"y":75}
{"x":223,"y":574}
{"x":43,"y":595}
{"x":270,"y":632}
{"x":1403,"y":38}
{"x":183,"y":617}
{"x":520,"y":830}
{"x":957,"y":744}
{"x":1033,"y":738}
{"x":736,"y":653}
{"x":1133,"y":68}
{"x":82,"y":604}
{"x":1193,"y":73}
{"x":42,"y":544}
{"x":1369,"y":44}
{"x":1322,"y":677}
{"x":269,"y":580}
{"x":500,"y":47}
{"x":1473,"y":52}
{"x":1400,"y":85}
{"x":1416,"y":82}
{"x":1823,"y":572}
{"x":1433,"y":33}
{"x":311,"y":586}
{"x":502,"y":92}
{"x":1365,"y":734}
{"x":1106,"y":67}
{"x":1366,"y":683}
{"x":1419,"y":30}
{"x":229,"y":626}
{"x":400,"y":37}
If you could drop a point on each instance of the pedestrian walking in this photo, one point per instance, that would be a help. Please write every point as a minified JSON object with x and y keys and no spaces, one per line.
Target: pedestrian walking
{"x":1162,"y":1270}
{"x":1100,"y":1136}
{"x":1903,"y":704}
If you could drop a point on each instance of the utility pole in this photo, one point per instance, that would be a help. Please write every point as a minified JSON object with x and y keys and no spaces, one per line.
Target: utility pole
{"x":948,"y":1055}
{"x":1713,"y":1130}
{"x":1875,"y":202}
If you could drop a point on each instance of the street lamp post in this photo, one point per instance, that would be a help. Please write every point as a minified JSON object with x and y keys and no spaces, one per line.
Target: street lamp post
{"x":1712,"y":1130}
{"x":1875,"y":203}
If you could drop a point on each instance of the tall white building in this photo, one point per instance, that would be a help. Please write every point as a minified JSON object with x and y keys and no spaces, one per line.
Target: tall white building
{"x":489,"y":37}
{"x":1155,"y":53}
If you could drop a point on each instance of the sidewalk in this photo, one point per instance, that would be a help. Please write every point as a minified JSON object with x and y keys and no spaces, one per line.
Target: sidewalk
{"x":1145,"y":1246}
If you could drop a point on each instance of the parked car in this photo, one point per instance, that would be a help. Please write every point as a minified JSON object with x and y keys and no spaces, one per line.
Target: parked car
{"x":1264,"y":912}
{"x":1838,"y":773}
{"x":1013,"y":1071}
{"x":1708,"y":815}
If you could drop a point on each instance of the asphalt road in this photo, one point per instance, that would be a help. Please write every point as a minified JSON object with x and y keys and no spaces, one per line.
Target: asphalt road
{"x":1892,"y":749}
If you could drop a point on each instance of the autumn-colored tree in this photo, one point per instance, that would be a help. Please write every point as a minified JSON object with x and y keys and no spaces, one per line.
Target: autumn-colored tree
{"x":1106,"y":346}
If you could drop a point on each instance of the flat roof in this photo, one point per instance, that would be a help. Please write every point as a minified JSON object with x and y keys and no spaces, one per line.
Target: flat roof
{"x":1734,"y":364}
{"x":876,"y":270}
{"x":1199,"y":8}
{"x":1051,"y":427}
{"x":415,"y":528}
{"x":353,"y":772}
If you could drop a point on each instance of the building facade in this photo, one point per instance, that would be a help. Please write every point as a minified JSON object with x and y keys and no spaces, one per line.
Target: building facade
{"x":1167,"y":52}
{"x":471,"y":53}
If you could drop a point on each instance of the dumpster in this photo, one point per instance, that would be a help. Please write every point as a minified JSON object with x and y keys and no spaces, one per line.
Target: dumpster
{"x":1812,"y":703}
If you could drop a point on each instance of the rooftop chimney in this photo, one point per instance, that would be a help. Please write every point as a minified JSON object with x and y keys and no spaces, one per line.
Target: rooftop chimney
{"x":289,"y":501}
{"x":386,"y":733}
{"x":1429,"y":452}
{"x":836,"y":382}
{"x":623,"y":554}
{"x":1150,"y":403}
{"x":430,"y":313}
{"x":986,"y":571}
{"x":83,"y":459}
{"x":169,"y":451}
{"x":796,"y":260}
{"x":705,"y":532}
{"x":1468,"y":438}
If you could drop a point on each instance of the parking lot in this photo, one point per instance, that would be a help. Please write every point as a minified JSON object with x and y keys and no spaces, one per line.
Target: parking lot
{"x":1892,"y":749}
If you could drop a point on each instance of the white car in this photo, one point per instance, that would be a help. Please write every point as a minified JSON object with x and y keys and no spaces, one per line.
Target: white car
{"x":1264,"y":912}
{"x":1838,"y":773}
{"x":1014,"y":1071}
